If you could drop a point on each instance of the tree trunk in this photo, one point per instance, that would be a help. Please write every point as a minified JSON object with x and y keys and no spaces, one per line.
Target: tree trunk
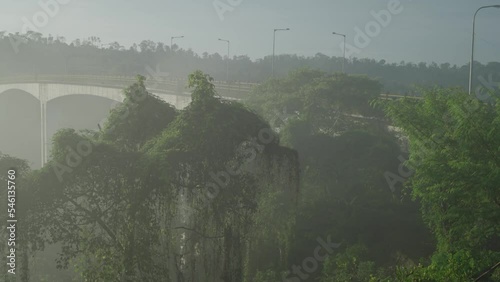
{"x":226,"y":271}
{"x":233,"y":267}
{"x":129,"y":252}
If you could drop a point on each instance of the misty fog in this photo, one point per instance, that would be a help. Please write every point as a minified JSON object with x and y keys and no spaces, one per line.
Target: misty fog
{"x":247,"y":141}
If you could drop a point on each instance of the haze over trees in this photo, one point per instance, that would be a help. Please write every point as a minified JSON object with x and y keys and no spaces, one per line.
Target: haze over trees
{"x":312,"y":177}
{"x":224,"y":191}
{"x":33,"y":53}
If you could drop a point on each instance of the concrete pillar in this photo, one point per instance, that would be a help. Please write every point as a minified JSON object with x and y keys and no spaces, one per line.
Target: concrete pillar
{"x":43,"y":97}
{"x":180,"y":87}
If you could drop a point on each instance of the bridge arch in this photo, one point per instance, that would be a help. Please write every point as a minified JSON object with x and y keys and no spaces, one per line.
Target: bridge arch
{"x":49,"y":91}
{"x":20,"y":125}
{"x":55,"y":91}
{"x":31,"y":88}
{"x":46,"y":90}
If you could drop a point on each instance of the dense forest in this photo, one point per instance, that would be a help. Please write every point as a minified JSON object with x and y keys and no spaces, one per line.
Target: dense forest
{"x":313,"y":178}
{"x":32,"y":53}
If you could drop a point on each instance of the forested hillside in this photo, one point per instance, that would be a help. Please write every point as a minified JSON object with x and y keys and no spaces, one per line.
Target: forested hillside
{"x":33,"y":53}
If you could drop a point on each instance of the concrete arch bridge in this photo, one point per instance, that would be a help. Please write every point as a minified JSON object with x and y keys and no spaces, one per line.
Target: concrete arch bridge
{"x":45,"y":88}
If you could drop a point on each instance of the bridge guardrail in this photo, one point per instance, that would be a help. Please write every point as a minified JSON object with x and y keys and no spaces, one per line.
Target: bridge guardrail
{"x":123,"y":81}
{"x":233,"y":89}
{"x":159,"y":88}
{"x":387,"y":96}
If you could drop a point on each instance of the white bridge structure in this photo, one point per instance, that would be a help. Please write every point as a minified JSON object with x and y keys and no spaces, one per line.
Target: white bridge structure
{"x":48,"y":87}
{"x":174,"y":91}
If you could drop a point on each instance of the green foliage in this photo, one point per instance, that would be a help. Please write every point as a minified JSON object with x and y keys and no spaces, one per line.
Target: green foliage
{"x":346,"y":196}
{"x":330,"y":103}
{"x":202,"y":149}
{"x":348,"y":266}
{"x":141,"y":117}
{"x":272,"y":235}
{"x":343,"y":160}
{"x":103,"y":200}
{"x":211,"y":190}
{"x":266,"y":276}
{"x":8,"y":162}
{"x":454,"y":140}
{"x":203,"y":86}
{"x":15,"y":187}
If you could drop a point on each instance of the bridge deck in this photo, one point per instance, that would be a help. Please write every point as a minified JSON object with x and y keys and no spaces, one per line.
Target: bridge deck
{"x":231,"y":90}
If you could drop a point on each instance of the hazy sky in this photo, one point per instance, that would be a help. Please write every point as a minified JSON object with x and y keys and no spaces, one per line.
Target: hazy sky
{"x":423,"y":30}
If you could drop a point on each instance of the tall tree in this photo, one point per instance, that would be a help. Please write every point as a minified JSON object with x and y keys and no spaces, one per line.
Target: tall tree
{"x":105,"y":199}
{"x":454,"y":141}
{"x":223,"y":155}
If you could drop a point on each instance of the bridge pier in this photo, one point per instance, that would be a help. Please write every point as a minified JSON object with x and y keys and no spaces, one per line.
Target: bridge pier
{"x":43,"y":97}
{"x":49,"y":87}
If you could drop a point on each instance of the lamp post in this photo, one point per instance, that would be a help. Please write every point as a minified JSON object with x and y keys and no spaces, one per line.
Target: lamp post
{"x":274,"y":45}
{"x":227,"y":66}
{"x":343,"y":62}
{"x":473,"y":39}
{"x":172,"y":41}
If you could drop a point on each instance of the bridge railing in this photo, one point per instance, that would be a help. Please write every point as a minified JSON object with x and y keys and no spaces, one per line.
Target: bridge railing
{"x":238,"y":90}
{"x":387,"y":96}
{"x":231,"y":89}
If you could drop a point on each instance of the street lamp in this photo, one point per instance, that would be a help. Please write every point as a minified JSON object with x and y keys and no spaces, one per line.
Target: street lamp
{"x":172,"y":41}
{"x":274,"y":45}
{"x":343,"y":62}
{"x":227,"y":67}
{"x":473,"y":38}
